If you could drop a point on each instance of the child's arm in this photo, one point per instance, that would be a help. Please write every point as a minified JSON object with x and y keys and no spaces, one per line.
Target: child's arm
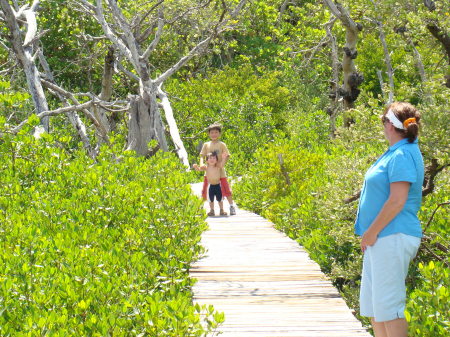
{"x":199,"y":168}
{"x":224,"y":160}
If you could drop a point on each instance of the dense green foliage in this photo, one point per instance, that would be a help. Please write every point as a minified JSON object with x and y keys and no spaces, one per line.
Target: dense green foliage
{"x":250,"y":106}
{"x":96,"y":248}
{"x":429,"y":305}
{"x":101,"y":246}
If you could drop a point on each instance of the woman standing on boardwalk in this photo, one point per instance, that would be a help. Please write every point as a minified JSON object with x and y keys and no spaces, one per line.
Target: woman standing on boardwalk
{"x":388,"y":223}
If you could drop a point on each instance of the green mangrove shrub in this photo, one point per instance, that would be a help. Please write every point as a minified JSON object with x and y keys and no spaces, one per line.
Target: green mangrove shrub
{"x":96,"y":248}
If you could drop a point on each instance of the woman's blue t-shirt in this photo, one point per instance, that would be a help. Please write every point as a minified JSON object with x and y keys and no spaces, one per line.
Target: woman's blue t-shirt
{"x":401,"y":162}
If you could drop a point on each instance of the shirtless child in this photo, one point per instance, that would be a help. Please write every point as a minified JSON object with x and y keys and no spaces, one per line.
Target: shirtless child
{"x":216,"y":145}
{"x":213,"y":170}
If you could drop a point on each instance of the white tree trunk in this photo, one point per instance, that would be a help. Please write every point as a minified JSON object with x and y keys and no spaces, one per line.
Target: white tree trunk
{"x":24,"y":53}
{"x":173,"y":128}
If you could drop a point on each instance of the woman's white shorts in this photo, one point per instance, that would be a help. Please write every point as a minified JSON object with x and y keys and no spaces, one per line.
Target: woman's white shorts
{"x":385,"y":267}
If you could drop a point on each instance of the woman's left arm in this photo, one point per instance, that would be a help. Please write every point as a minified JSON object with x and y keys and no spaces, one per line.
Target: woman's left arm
{"x":397,"y":197}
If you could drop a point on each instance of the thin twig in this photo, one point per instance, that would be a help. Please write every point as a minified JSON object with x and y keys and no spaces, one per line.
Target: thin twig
{"x":434,"y":212}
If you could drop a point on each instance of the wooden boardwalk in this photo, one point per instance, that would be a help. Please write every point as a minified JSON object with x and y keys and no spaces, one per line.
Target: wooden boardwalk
{"x":266,"y":284}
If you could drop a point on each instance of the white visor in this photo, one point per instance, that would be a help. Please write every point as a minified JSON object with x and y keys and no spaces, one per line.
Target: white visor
{"x":394,"y":120}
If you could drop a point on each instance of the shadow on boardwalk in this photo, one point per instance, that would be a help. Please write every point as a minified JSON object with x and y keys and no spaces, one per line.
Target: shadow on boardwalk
{"x":266,"y":284}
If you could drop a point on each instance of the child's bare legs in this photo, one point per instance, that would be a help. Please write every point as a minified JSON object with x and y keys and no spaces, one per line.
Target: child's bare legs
{"x":211,"y":208}
{"x":222,"y":212}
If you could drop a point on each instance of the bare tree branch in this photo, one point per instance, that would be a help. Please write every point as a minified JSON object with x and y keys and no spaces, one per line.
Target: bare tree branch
{"x":125,"y":26}
{"x":381,"y":80}
{"x":145,"y":121}
{"x":434,"y":212}
{"x":147,"y":13}
{"x":71,"y":95}
{"x":431,"y":172}
{"x":178,"y":17}
{"x":103,"y":132}
{"x":158,"y":34}
{"x":132,"y":76}
{"x":107,"y":107}
{"x":311,"y":52}
{"x":73,"y":117}
{"x":169,"y":72}
{"x":5,"y":46}
{"x":99,"y":15}
{"x":53,"y":113}
{"x":198,"y":48}
{"x":66,"y":109}
{"x":2,"y":72}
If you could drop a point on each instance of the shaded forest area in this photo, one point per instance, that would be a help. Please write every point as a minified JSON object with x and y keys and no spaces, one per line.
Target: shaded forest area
{"x":104,"y":106}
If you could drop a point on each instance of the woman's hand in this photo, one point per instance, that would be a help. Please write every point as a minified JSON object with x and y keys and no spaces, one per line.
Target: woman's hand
{"x":368,"y":239}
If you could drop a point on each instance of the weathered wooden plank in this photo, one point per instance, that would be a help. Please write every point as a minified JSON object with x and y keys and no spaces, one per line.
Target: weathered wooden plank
{"x":266,"y":284}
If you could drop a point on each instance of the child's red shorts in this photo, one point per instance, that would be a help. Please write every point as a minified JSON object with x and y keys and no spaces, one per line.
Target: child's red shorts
{"x":224,"y":186}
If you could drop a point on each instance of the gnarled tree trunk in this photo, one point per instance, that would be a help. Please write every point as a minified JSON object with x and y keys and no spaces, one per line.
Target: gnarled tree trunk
{"x":144,"y":123}
{"x":352,"y":79}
